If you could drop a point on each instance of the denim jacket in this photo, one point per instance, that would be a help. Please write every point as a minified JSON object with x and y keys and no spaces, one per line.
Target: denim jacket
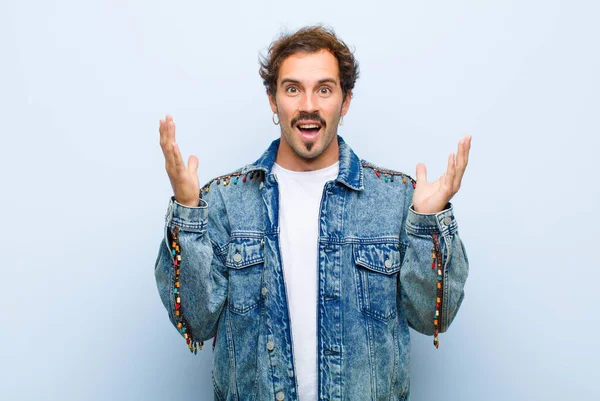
{"x":382,"y":268}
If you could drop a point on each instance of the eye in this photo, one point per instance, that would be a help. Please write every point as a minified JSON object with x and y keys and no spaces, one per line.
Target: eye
{"x":324,"y":91}
{"x":291,"y":89}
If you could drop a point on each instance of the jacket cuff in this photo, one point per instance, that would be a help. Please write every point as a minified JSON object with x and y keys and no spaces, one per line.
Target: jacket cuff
{"x":442,"y":222}
{"x":194,"y":219}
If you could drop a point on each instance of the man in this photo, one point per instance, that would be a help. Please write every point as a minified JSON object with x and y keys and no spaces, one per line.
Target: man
{"x":310,"y":265}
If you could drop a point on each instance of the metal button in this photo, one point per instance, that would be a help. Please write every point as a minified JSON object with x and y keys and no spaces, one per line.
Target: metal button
{"x":264,"y":291}
{"x":270,"y":345}
{"x":237,"y":258}
{"x":388,"y":264}
{"x":447,"y":220}
{"x":279,"y":396}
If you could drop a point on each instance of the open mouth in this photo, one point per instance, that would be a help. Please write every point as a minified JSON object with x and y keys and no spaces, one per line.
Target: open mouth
{"x":309,"y":130}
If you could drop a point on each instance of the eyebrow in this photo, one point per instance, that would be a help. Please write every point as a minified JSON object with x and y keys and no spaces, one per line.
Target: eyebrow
{"x":320,"y":82}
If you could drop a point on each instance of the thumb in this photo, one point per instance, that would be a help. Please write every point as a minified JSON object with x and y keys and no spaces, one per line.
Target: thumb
{"x":421,"y":174}
{"x":193,"y":165}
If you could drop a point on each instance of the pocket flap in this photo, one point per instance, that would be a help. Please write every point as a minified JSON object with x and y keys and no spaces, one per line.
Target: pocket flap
{"x":381,"y":258}
{"x":244,"y":252}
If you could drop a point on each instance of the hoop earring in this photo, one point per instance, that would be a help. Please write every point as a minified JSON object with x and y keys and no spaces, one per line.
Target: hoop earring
{"x":273,"y":118}
{"x":341,"y":120}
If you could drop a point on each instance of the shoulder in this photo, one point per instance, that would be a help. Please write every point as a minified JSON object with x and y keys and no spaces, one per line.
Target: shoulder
{"x":244,"y":175}
{"x":374,"y":173}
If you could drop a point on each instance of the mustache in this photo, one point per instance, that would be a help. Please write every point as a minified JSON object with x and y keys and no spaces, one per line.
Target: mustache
{"x":308,"y":116}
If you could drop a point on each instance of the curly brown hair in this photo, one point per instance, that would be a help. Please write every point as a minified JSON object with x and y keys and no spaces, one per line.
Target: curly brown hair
{"x":309,"y":39}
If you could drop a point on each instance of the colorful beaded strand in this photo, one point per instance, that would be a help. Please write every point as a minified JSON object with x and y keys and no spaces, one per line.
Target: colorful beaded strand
{"x":388,"y":175}
{"x":182,"y":325}
{"x":233,"y":178}
{"x":436,"y":255}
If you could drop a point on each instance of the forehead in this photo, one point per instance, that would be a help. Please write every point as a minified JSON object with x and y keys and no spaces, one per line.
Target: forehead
{"x":309,"y":67}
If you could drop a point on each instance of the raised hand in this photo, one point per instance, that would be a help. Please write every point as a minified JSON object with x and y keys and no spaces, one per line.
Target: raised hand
{"x":432,"y":197}
{"x":184,"y":180}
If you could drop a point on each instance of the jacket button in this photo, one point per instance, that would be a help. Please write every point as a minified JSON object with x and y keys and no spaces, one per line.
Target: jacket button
{"x":271,"y":346}
{"x":264,"y":291}
{"x":237,"y":258}
{"x":279,"y":396}
{"x":388,"y":264}
{"x":447,"y":220}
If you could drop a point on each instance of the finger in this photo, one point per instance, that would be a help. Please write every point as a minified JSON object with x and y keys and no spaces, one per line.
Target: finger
{"x":421,"y":174}
{"x":179,"y":164}
{"x":462,"y":160}
{"x":170,"y":128}
{"x":169,"y":140}
{"x":193,"y":165}
{"x":163,"y":129}
{"x":166,"y":147}
{"x":467,"y":146}
{"x":162,"y":132}
{"x":450,"y":173}
{"x":462,"y":151}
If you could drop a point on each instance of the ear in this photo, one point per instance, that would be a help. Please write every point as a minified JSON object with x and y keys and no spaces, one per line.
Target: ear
{"x":272,"y":102}
{"x":346,"y":103}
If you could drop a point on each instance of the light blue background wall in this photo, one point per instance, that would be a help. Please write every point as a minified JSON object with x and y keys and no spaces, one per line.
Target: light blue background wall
{"x":83,"y":85}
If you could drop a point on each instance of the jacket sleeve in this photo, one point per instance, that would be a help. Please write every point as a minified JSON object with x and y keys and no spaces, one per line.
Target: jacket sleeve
{"x":190,"y":268}
{"x":434,"y":269}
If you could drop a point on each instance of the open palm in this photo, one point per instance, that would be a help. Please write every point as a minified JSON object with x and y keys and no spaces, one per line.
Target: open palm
{"x":184,"y":179}
{"x":432,"y":197}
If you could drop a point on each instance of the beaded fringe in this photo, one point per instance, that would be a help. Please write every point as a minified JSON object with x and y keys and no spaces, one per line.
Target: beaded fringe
{"x":436,"y":254}
{"x":234,"y":178}
{"x":182,"y":325}
{"x":388,"y":175}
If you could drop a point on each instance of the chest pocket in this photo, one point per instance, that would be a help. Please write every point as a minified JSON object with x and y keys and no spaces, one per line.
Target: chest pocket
{"x":245,"y":261}
{"x":377,"y":267}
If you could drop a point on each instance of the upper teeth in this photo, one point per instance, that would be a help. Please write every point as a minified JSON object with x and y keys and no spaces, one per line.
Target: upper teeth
{"x":309,"y":126}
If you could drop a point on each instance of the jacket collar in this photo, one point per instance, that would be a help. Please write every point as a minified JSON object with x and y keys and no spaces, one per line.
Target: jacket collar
{"x":351,"y":169}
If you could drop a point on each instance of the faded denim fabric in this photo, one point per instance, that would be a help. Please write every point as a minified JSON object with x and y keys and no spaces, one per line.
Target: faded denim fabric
{"x":375,"y":280}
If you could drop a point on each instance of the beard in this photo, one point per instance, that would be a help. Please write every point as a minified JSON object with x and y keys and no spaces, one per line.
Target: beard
{"x":310,"y":149}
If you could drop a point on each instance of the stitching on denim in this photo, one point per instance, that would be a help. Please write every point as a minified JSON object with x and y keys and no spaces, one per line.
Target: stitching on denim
{"x":377,"y":267}
{"x":231,"y":355}
{"x":412,"y":229}
{"x":371,"y":346}
{"x":244,"y":309}
{"x":245,"y":263}
{"x":176,"y":221}
{"x":218,"y":249}
{"x":243,"y":234}
{"x":363,"y":292}
{"x":395,"y":336}
{"x":388,"y":240}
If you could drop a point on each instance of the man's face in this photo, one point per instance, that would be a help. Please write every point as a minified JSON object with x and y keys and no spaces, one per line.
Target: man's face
{"x":309,"y":102}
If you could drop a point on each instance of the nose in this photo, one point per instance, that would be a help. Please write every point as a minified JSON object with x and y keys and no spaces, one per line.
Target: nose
{"x":308,"y":103}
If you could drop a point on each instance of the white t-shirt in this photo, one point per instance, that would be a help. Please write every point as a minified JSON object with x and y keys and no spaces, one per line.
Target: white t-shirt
{"x":300,"y":194}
